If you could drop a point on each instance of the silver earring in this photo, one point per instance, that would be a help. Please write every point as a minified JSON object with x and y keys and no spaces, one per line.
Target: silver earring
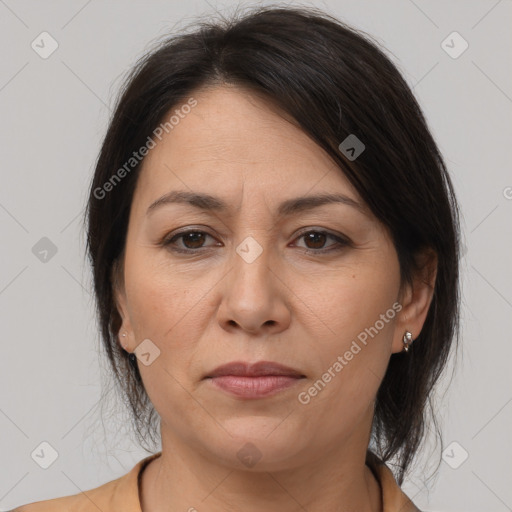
{"x":407,"y":340}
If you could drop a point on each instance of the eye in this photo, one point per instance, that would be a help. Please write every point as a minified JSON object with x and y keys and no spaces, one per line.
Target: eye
{"x":191,"y":241}
{"x":315,"y":240}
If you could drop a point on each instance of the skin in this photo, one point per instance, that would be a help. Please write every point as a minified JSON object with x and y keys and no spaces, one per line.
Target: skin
{"x":302,"y":310}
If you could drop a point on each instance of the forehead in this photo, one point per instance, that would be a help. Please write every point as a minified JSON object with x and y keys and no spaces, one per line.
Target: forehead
{"x":234,"y":140}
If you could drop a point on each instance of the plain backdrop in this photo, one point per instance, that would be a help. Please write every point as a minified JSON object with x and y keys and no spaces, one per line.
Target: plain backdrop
{"x":54,"y":113}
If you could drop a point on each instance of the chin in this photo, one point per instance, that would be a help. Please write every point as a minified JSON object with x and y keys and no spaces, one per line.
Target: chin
{"x":255,"y":444}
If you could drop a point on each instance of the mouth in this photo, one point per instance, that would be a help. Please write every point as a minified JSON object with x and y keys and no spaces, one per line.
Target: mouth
{"x":259,"y":369}
{"x":262,"y":379}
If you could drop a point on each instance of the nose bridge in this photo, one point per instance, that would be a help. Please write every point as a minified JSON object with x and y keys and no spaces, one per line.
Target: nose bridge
{"x":251,"y":261}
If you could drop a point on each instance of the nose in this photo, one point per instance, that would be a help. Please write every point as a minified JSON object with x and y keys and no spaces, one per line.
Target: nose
{"x":254,"y":296}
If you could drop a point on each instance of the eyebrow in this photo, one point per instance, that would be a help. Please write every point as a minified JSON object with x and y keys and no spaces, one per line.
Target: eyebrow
{"x":289,"y":207}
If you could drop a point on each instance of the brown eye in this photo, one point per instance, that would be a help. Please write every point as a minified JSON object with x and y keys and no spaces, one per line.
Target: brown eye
{"x":315,"y":241}
{"x":191,"y":241}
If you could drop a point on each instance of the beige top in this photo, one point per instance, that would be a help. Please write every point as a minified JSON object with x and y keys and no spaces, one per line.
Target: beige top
{"x":122,"y":494}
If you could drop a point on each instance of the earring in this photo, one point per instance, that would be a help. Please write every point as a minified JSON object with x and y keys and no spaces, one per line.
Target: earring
{"x":407,"y":340}
{"x":124,"y":336}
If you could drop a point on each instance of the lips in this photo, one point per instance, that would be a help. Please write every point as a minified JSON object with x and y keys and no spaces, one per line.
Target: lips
{"x":259,"y":369}
{"x":245,"y":381}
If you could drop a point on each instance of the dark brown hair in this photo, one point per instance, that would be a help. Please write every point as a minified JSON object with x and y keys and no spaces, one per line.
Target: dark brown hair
{"x":333,"y":81}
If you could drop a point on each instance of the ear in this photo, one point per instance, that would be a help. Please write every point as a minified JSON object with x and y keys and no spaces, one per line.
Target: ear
{"x":118,"y":289}
{"x":416,"y":298}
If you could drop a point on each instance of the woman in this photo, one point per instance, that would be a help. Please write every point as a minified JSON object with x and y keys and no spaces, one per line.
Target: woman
{"x":275,"y":241}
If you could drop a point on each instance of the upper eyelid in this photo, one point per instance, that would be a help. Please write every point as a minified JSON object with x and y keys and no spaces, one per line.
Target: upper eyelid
{"x":302,"y":231}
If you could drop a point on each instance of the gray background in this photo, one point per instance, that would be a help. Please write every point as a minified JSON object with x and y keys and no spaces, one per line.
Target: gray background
{"x":54,"y":115}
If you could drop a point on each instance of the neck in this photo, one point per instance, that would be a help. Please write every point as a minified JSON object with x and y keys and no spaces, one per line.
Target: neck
{"x":183,"y":479}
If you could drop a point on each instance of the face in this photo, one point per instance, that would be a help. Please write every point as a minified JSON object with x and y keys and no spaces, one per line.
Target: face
{"x":251,"y":276}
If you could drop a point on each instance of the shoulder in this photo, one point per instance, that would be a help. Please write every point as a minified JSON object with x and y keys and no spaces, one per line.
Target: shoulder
{"x":86,"y":501}
{"x":119,"y":494}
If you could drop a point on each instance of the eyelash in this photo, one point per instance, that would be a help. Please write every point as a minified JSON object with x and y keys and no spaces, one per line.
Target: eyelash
{"x":341,"y":242}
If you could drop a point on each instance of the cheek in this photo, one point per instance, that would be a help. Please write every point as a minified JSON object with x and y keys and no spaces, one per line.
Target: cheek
{"x":353,"y":301}
{"x":357,"y":311}
{"x":166,"y":306}
{"x":161,"y":308}
{"x":158,"y":295}
{"x":351,"y":362}
{"x":150,"y":303}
